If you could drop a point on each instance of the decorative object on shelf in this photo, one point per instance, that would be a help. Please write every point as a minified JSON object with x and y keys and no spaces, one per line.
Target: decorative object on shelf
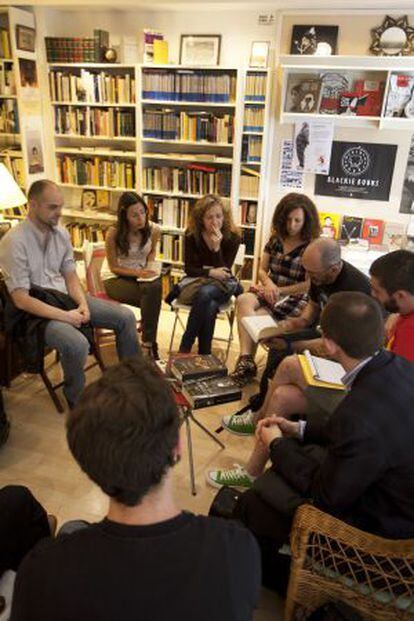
{"x":28,"y":74}
{"x":110,"y":55}
{"x":101,"y":44}
{"x":160,"y":52}
{"x":150,"y":36}
{"x":259,"y":54}
{"x":333,"y":85}
{"x":303,"y":93}
{"x":400,"y":94}
{"x":102,"y":199}
{"x":330,"y":224}
{"x":407,"y":194}
{"x":314,"y":40}
{"x":358,"y":170}
{"x":200,"y":50}
{"x":351,"y":228}
{"x":25,"y":38}
{"x":88,"y":199}
{"x":395,"y":37}
{"x":364,"y":100}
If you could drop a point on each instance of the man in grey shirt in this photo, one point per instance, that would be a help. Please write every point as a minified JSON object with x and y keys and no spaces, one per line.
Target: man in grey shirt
{"x":39,"y":252}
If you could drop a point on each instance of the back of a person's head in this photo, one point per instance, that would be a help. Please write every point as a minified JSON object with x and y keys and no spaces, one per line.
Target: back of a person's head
{"x":327,"y":251}
{"x":353,"y":321}
{"x":124,"y":430}
{"x":395,"y":271}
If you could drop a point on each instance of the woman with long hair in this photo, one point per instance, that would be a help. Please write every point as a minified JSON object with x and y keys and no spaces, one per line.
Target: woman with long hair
{"x":282,"y":284}
{"x":210,"y":247}
{"x":130,"y":248}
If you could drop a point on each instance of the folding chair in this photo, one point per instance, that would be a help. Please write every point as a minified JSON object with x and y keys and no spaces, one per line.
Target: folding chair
{"x":228,"y":309}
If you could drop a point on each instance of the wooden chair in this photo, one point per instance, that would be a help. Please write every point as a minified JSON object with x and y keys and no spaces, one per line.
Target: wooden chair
{"x":334,"y":561}
{"x":228,"y":309}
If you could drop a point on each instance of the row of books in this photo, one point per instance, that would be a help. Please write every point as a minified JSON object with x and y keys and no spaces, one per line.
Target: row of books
{"x":195,"y":126}
{"x":5,"y":49}
{"x":171,"y":212}
{"x":192,"y":179}
{"x":111,"y":122}
{"x":92,"y":87}
{"x":392,"y":235}
{"x":7,"y":82}
{"x":333,"y":93}
{"x":96,"y":171}
{"x":248,"y":238}
{"x":85,"y":232}
{"x":251,"y":149}
{"x":253,"y":119}
{"x":70,"y":49}
{"x":255,"y":87}
{"x":188,"y":85}
{"x":9,"y":117}
{"x":171,"y":248}
{"x":15,"y":166}
{"x":249,"y":186}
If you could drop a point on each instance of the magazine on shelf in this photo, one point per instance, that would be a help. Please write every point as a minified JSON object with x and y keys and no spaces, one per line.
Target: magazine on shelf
{"x":195,"y":366}
{"x":205,"y":392}
{"x":303,"y":93}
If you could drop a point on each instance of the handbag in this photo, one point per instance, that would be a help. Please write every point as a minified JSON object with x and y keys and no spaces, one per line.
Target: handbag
{"x":224,"y":503}
{"x":189,"y":287}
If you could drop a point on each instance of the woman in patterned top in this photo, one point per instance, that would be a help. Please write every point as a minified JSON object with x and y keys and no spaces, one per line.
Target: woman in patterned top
{"x":282,"y":288}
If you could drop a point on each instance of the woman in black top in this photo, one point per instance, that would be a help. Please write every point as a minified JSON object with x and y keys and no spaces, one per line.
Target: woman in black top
{"x":211,"y":244}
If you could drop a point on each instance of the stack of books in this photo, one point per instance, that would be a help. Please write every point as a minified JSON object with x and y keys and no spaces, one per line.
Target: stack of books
{"x":253,"y":119}
{"x":188,"y":85}
{"x":172,"y":248}
{"x":70,"y":50}
{"x":81,"y":232}
{"x":256,"y":87}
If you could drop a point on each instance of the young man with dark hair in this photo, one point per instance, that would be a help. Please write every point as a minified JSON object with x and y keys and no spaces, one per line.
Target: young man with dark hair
{"x":392,"y":283}
{"x":362,"y":467}
{"x":147,"y":559}
{"x":38,"y":252}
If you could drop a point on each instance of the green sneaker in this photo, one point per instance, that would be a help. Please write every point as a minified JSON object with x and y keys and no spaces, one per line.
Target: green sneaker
{"x":234,"y":477}
{"x":240,"y":424}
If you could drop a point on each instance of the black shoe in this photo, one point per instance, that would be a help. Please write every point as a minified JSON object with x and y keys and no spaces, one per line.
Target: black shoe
{"x":155,"y":353}
{"x":4,"y":432}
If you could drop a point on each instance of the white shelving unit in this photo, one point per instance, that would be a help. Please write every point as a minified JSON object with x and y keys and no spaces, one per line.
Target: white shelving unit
{"x":357,"y":67}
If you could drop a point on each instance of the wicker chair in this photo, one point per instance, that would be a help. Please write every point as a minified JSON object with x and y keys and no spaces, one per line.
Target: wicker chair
{"x":334,"y":561}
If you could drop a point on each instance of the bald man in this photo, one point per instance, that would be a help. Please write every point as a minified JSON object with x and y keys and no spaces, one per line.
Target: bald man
{"x":328,"y":274}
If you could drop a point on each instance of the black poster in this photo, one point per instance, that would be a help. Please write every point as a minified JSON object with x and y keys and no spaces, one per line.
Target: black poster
{"x":359,"y":170}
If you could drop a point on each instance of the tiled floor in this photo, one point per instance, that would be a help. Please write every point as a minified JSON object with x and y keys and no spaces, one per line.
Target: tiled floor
{"x":36,"y":455}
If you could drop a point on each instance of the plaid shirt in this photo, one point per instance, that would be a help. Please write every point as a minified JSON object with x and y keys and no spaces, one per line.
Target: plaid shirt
{"x":285,"y":270}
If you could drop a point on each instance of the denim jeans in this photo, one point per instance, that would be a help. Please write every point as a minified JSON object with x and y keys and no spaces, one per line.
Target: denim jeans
{"x":202,"y":318}
{"x":73,"y":346}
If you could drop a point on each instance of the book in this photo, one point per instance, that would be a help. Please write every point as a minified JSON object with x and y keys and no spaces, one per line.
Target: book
{"x":373,"y":230}
{"x":394,"y":237}
{"x":152,"y":266}
{"x":330,"y":224}
{"x":160,"y":48}
{"x":321,"y":372}
{"x":351,"y":228}
{"x":260,"y":327}
{"x":195,"y":366}
{"x":303,"y":93}
{"x":205,"y":392}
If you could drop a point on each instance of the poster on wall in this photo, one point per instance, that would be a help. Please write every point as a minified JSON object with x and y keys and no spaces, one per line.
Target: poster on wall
{"x":313,"y":146}
{"x":358,"y":170}
{"x":289,"y":178}
{"x":28,"y":79}
{"x":407,"y":195}
{"x":34,"y":145}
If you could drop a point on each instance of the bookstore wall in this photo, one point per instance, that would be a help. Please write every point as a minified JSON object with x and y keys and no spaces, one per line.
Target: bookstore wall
{"x":251,"y":148}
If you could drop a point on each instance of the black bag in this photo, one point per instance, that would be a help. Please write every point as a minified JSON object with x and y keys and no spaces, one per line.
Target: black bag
{"x":224,"y":503}
{"x":336,"y":611}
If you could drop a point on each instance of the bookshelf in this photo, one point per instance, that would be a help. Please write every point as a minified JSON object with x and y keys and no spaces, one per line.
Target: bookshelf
{"x":252,"y":165}
{"x":369,"y":76}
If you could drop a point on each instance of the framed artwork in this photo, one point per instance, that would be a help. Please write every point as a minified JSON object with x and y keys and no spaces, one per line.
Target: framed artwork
{"x":259,"y":54}
{"x":200,"y":50}
{"x":314,"y":40}
{"x":25,"y":38}
{"x":88,"y":199}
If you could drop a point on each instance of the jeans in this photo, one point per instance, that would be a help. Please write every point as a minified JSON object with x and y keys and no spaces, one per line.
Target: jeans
{"x":73,"y":346}
{"x":143,"y":295}
{"x":202,"y":318}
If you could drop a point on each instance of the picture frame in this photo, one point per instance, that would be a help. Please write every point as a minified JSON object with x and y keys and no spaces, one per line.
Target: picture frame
{"x":88,"y":200}
{"x":314,"y":40}
{"x":259,"y":54}
{"x":200,"y":50}
{"x":25,"y":38}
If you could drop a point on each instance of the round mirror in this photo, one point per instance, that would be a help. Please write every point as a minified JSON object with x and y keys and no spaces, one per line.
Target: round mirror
{"x":393,"y":40}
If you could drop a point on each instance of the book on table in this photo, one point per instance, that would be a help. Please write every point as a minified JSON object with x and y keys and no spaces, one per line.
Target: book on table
{"x":207,"y":391}
{"x":321,"y":372}
{"x":195,"y":366}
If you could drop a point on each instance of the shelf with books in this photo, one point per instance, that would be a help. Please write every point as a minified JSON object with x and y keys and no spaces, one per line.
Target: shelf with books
{"x":172,"y":194}
{"x":89,"y":186}
{"x":106,"y":138}
{"x":96,"y":151}
{"x":95,"y":171}
{"x":80,"y":104}
{"x":193,"y":143}
{"x":188,"y":157}
{"x":69,"y":212}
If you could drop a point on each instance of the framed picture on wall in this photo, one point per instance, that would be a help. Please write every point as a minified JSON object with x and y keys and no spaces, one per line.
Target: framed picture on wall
{"x":314,"y":40}
{"x":200,"y":50}
{"x":25,"y":38}
{"x":259,"y":54}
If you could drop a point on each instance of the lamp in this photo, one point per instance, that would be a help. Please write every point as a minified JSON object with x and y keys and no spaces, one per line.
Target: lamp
{"x":10,"y":193}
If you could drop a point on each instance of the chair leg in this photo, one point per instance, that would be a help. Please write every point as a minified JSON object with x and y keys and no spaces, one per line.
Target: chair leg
{"x":230,"y":317}
{"x":51,"y":390}
{"x":173,"y":331}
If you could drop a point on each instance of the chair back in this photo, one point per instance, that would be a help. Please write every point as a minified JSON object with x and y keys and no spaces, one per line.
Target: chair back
{"x":239,"y":259}
{"x":93,"y":256}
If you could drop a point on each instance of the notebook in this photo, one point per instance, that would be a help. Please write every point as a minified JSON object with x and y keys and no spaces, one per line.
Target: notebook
{"x":321,"y":372}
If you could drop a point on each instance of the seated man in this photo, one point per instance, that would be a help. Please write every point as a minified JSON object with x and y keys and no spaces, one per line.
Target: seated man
{"x":147,"y":559}
{"x":362,"y":470}
{"x":392,"y":282}
{"x":328,"y":274}
{"x":38,"y":252}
